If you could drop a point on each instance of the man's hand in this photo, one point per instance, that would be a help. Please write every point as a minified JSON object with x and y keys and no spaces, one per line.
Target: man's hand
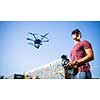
{"x":71,"y":64}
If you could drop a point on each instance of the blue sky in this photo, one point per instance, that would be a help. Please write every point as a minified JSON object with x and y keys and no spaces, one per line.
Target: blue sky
{"x":17,"y":56}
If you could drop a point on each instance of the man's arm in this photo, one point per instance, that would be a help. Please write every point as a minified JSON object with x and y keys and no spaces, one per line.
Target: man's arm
{"x":89,"y":56}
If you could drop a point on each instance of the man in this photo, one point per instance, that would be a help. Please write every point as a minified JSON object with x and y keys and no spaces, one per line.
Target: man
{"x":81,"y":54}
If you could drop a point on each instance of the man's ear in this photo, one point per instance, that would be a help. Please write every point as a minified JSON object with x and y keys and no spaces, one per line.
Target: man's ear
{"x":79,"y":36}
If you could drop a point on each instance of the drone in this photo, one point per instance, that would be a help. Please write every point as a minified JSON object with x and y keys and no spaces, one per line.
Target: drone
{"x":36,"y":42}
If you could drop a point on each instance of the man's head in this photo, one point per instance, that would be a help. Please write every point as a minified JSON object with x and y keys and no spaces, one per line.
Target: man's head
{"x":76,"y":35}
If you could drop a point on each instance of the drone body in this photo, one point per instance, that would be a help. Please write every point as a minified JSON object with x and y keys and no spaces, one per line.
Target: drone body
{"x":37,"y":42}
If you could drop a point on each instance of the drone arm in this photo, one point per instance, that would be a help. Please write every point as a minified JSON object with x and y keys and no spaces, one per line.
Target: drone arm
{"x":44,"y":36}
{"x":32,"y":34}
{"x":46,"y":41}
{"x":30,"y":43}
{"x":30,"y":39}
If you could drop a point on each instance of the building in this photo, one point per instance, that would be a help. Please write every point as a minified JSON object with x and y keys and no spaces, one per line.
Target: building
{"x":52,"y":70}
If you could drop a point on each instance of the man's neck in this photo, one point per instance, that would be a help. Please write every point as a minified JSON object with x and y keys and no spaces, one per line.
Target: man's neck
{"x":76,"y":41}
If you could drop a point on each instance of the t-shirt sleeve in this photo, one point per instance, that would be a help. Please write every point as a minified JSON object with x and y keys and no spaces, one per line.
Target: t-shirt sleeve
{"x":86,"y":44}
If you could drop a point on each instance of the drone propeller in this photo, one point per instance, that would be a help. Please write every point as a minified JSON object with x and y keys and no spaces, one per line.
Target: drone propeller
{"x":30,"y":33}
{"x":30,"y":39}
{"x":33,"y":34}
{"x":46,"y":41}
{"x":44,"y":36}
{"x":30,"y":43}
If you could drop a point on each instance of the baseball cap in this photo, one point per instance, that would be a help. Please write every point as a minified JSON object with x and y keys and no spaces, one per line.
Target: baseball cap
{"x":76,"y":31}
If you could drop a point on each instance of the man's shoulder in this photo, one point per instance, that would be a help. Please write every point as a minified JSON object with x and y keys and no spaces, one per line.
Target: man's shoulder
{"x":85,"y":42}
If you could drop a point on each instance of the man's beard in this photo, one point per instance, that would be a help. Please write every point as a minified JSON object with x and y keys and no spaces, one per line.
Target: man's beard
{"x":75,"y":39}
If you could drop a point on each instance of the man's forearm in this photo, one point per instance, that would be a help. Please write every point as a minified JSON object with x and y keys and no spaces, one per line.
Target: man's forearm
{"x":85,"y":59}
